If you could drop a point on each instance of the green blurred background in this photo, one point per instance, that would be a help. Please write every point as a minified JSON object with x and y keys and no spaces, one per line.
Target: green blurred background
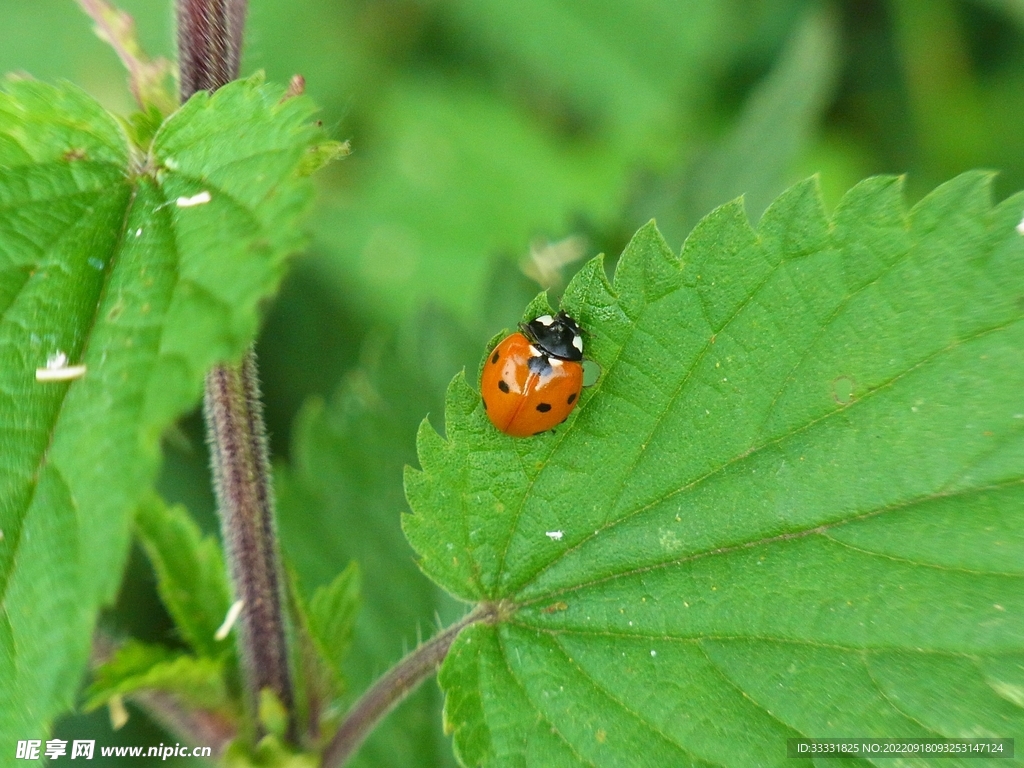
{"x":484,"y":131}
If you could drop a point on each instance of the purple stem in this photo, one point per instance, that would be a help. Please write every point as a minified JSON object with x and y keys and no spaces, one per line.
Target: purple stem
{"x":234,"y":418}
{"x":401,"y":680}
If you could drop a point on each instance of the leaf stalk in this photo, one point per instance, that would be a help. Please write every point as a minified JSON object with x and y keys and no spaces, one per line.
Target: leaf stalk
{"x":401,"y":680}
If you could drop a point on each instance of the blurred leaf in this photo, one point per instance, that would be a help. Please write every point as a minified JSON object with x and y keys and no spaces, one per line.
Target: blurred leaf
{"x":148,"y":79}
{"x":272,"y":715}
{"x":320,"y":646}
{"x":139,"y":667}
{"x":104,"y":266}
{"x":947,"y":121}
{"x":628,"y":70}
{"x":323,"y":631}
{"x":332,"y":614}
{"x":456,"y":178}
{"x":323,"y":154}
{"x":1013,"y":9}
{"x":190,"y":573}
{"x":792,"y":505}
{"x":268,"y":753}
{"x":340,"y":501}
{"x":757,"y":157}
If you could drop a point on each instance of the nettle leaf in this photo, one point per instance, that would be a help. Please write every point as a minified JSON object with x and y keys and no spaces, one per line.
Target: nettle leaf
{"x":332,"y":616}
{"x":145,"y":265}
{"x":190,"y":573}
{"x":792,"y":505}
{"x":322,"y":632}
{"x":137,"y":667}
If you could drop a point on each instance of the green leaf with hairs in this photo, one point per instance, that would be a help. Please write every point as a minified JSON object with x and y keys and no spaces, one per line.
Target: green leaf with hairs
{"x":190,"y":574}
{"x":332,"y":617}
{"x":138,"y":667}
{"x":145,"y":265}
{"x":792,"y":505}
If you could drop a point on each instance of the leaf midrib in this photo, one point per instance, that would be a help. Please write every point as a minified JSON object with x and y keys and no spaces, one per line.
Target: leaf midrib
{"x":790,"y":535}
{"x":761,"y":638}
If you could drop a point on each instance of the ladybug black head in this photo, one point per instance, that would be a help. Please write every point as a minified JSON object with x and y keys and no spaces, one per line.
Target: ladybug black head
{"x":557,"y":336}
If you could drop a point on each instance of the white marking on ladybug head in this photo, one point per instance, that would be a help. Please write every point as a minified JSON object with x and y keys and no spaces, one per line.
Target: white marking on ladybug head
{"x":577,"y":341}
{"x":534,"y":352}
{"x":555,"y":362}
{"x":545,"y":320}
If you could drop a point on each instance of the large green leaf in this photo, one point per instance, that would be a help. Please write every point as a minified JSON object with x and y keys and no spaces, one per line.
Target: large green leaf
{"x":110,"y":257}
{"x":792,"y":504}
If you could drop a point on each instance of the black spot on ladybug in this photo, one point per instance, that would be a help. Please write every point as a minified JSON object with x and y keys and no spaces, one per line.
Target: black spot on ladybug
{"x":539,"y":365}
{"x":494,"y":358}
{"x":503,"y":386}
{"x":572,"y":398}
{"x":484,"y":399}
{"x":543,"y":407}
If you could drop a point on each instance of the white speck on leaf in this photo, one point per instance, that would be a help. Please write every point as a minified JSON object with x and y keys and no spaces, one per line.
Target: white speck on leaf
{"x":57,"y":369}
{"x":202,"y":198}
{"x":554,"y":535}
{"x":1020,"y":227}
{"x":138,"y":232}
{"x":229,"y":620}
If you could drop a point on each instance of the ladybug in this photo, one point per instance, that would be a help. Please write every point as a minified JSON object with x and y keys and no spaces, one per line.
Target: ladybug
{"x":532,"y":380}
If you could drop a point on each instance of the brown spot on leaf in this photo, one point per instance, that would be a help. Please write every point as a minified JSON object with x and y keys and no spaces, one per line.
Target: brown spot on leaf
{"x":555,"y":607}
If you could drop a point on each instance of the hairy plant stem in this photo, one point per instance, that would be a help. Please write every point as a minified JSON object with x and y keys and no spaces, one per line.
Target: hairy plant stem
{"x":401,"y":680}
{"x":234,"y":418}
{"x":209,"y":52}
{"x":209,"y":43}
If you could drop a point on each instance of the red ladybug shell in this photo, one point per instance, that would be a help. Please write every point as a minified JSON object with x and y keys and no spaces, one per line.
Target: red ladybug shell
{"x":526,"y":391}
